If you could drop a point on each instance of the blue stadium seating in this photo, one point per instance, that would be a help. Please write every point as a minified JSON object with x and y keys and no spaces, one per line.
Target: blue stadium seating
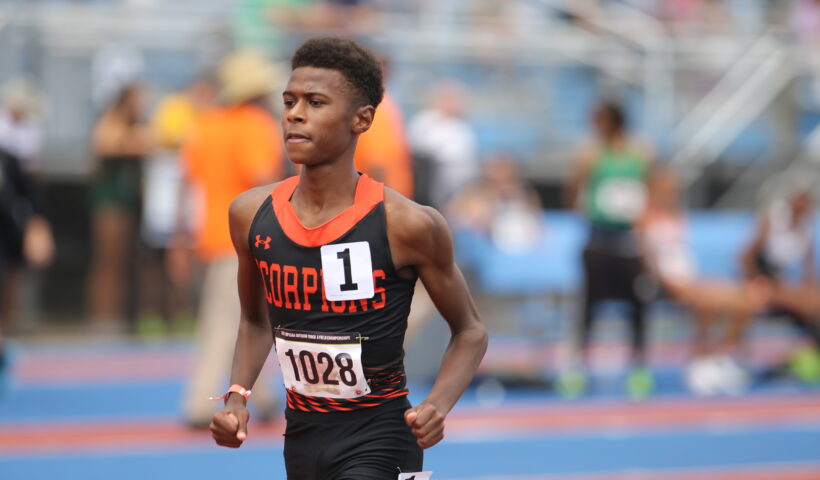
{"x":553,"y":265}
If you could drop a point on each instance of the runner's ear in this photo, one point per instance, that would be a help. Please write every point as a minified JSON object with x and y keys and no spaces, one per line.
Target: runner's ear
{"x":363,"y":119}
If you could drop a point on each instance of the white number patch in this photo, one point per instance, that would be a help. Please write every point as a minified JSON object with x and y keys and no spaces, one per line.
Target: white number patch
{"x":622,"y":199}
{"x":320,"y":364}
{"x":348,"y":271}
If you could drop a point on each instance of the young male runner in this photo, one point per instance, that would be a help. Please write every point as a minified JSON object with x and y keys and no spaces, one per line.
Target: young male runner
{"x":336,"y":255}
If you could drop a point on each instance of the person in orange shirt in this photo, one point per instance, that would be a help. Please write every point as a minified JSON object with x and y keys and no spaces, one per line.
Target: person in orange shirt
{"x":233,"y":148}
{"x":383,"y":152}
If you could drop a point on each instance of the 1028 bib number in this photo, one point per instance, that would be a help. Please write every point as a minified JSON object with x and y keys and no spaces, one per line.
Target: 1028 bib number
{"x":321,"y":364}
{"x":312,"y":364}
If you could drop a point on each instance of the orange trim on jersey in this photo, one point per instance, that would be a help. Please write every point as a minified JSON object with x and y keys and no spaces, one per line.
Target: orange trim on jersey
{"x":369,"y":193}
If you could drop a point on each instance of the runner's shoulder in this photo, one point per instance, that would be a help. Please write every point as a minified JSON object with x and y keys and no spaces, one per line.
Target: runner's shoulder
{"x":410,"y":222}
{"x":244,"y":207}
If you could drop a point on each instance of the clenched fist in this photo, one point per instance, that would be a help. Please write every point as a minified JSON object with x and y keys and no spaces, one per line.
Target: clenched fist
{"x":426,"y":423}
{"x":229,"y":427}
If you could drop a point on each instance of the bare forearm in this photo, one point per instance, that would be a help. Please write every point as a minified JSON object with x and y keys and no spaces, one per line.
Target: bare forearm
{"x":253,"y":345}
{"x":747,"y":264}
{"x":578,"y":177}
{"x":460,"y":362}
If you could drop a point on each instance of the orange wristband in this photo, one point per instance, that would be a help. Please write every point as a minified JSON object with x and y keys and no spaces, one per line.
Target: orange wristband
{"x":234,"y":388}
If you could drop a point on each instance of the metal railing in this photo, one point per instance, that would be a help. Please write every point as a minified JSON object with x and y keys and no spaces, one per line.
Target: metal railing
{"x":651,"y":53}
{"x":744,"y":92}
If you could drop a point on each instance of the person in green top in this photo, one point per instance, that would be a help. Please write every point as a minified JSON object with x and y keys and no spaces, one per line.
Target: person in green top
{"x":608,"y":185}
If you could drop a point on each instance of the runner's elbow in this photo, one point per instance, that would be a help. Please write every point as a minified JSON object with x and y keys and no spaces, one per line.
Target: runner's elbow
{"x":475,"y":335}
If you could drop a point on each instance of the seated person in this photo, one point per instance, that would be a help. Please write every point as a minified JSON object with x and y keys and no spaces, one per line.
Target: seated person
{"x":782,"y":251}
{"x":663,"y":232}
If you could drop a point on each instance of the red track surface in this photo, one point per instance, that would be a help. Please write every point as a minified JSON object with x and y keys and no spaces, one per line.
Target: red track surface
{"x":73,"y":436}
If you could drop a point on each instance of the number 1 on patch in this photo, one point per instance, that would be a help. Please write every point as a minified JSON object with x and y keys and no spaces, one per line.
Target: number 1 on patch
{"x":348,"y":271}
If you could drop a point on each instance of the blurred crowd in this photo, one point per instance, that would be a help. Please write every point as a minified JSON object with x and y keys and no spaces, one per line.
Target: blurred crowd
{"x":166,"y":167}
{"x":638,"y":251}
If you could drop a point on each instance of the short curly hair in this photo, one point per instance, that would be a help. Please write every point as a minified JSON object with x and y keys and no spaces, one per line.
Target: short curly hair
{"x":357,"y":64}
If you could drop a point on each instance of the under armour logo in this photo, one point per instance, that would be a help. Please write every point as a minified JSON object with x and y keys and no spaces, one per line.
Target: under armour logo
{"x":260,"y":242}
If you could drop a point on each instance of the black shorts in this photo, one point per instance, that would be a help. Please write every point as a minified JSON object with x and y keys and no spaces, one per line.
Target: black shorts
{"x":370,"y":444}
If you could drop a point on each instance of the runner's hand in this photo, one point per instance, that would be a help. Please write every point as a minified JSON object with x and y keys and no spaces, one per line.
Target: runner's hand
{"x":229,"y":427}
{"x":426,"y":423}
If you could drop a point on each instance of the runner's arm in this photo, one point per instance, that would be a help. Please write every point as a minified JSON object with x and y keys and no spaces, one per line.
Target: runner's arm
{"x":448,"y":290}
{"x":428,"y":247}
{"x":254,"y":339}
{"x":578,"y":176}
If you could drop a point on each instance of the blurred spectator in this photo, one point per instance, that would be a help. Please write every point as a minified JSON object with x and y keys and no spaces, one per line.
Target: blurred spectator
{"x":113,"y":68}
{"x":782,"y":250}
{"x":120,"y":142}
{"x":382,"y":151}
{"x":664,"y":236}
{"x":234,"y":147}
{"x":500,"y":204}
{"x":21,"y":137}
{"x":165,"y":283}
{"x":441,"y":136}
{"x":21,"y":131}
{"x":608,"y":183}
{"x":24,"y":236}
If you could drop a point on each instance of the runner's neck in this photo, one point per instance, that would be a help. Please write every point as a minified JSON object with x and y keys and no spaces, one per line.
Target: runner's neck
{"x":323,"y":192}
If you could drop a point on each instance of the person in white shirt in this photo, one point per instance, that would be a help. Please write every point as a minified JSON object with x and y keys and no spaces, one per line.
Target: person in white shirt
{"x":21,"y":140}
{"x":782,"y":250}
{"x":443,"y":136}
{"x":21,"y":131}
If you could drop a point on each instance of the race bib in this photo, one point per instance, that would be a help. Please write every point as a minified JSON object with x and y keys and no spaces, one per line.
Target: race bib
{"x":415,"y":476}
{"x":348,"y":271}
{"x":320,"y":364}
{"x":621,"y":199}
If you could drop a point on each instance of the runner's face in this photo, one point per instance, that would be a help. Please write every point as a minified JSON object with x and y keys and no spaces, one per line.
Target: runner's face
{"x":604,"y":125}
{"x":319,"y":121}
